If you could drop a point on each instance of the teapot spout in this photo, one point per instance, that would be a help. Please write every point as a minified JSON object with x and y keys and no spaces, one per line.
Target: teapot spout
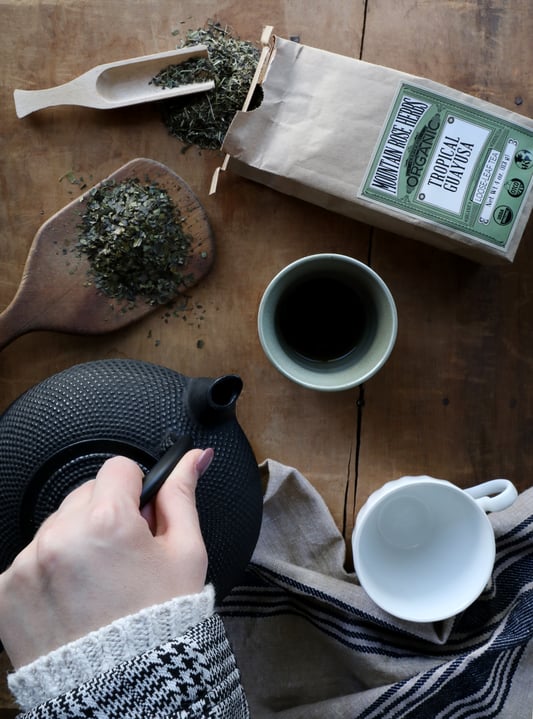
{"x":212,"y":401}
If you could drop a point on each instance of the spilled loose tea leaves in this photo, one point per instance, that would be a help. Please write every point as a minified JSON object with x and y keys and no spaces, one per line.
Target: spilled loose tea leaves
{"x":73,"y":179}
{"x":203,"y":120}
{"x":132,"y":235}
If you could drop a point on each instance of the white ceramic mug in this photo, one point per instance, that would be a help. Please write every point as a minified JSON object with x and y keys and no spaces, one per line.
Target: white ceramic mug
{"x":424,"y":549}
{"x":327,"y":322}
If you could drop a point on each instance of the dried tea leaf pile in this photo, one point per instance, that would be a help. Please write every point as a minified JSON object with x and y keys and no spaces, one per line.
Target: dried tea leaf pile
{"x":133,"y":237}
{"x":197,"y":69}
{"x":203,"y":120}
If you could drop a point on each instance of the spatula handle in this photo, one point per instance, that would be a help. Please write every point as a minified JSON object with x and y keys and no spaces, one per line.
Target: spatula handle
{"x":11,"y":327}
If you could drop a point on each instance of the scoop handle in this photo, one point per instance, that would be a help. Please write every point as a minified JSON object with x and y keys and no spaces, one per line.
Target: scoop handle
{"x":75,"y":92}
{"x":495,"y":495}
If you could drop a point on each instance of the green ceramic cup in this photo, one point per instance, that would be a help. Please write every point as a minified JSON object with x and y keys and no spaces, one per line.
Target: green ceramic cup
{"x":327,"y":322}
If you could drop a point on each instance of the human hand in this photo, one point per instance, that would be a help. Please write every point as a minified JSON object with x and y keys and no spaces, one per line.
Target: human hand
{"x":99,"y":558}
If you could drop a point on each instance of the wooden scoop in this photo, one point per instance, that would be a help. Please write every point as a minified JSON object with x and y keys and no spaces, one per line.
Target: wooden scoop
{"x":54,"y":294}
{"x":115,"y":84}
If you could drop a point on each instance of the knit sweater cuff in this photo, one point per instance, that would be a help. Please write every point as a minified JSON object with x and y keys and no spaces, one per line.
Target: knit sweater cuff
{"x":79,"y":661}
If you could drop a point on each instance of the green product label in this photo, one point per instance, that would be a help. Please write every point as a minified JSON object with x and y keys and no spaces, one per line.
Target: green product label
{"x":452,"y":164}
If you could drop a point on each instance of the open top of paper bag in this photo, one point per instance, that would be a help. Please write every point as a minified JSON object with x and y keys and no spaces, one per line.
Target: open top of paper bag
{"x":399,"y":152}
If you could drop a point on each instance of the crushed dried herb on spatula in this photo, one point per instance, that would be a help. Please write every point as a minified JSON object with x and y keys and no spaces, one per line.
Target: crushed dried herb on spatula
{"x":132,"y":234}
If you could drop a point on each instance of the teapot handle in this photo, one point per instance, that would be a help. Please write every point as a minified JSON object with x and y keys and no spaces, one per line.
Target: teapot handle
{"x":162,"y":468}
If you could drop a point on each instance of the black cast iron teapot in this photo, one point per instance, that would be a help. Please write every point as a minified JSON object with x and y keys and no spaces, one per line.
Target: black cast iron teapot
{"x":58,"y":434}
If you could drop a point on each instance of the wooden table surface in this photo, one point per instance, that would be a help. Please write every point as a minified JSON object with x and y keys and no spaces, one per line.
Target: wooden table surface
{"x":454,"y":400}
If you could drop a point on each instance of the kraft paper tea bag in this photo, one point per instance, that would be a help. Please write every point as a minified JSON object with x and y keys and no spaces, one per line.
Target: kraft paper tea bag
{"x":387,"y":148}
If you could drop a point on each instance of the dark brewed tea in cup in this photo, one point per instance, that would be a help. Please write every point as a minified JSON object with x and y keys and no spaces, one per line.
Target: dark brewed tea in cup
{"x":322,"y":318}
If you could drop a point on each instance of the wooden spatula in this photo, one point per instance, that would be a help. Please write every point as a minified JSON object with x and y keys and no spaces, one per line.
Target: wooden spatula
{"x":54,"y":294}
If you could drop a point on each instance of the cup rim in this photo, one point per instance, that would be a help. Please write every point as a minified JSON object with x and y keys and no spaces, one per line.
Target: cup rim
{"x":334,"y":380}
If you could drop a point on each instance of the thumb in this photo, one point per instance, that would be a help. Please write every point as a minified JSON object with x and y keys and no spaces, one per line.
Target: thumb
{"x":176,"y":516}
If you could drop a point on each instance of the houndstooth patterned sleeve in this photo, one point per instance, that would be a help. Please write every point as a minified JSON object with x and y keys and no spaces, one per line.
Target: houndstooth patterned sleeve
{"x":193,"y":677}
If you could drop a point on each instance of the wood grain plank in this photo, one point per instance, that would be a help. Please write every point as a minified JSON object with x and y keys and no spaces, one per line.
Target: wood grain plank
{"x":455,"y":399}
{"x":257,"y":231}
{"x":7,"y":706}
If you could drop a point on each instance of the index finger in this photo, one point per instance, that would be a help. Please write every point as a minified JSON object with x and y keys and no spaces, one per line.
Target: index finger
{"x":118,"y":476}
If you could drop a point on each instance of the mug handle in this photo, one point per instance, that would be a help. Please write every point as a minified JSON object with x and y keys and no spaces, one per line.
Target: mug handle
{"x":503,"y":494}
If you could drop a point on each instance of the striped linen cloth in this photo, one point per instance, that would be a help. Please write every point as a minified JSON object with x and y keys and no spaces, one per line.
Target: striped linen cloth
{"x":310,"y":643}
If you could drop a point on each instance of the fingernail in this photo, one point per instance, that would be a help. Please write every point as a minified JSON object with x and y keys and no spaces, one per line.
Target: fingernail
{"x":204,"y":460}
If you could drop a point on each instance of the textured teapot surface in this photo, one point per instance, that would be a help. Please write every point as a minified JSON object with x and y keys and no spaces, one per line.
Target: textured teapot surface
{"x":58,"y":434}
